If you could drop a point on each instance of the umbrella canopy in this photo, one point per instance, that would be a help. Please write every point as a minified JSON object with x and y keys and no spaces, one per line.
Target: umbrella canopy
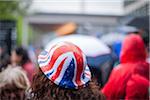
{"x":99,"y":57}
{"x":91,"y":46}
{"x":96,"y":51}
{"x":140,"y":22}
{"x":126,"y":29}
{"x":112,"y":38}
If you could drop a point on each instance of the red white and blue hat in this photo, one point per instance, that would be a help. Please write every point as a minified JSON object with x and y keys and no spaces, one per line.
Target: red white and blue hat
{"x":65,"y":65}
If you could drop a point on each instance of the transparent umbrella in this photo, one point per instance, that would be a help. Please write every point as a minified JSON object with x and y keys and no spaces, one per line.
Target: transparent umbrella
{"x":91,"y":46}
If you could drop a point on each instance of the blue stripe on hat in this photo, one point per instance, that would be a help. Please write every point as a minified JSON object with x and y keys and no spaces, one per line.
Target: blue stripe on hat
{"x":67,"y":80}
{"x":44,"y":60}
{"x":44,"y":53}
{"x":48,"y":74}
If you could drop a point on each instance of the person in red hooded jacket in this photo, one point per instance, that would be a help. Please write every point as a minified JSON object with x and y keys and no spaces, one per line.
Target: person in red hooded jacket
{"x":130,"y":79}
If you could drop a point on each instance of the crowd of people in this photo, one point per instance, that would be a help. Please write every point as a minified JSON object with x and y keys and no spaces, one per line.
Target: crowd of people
{"x":62,"y":73}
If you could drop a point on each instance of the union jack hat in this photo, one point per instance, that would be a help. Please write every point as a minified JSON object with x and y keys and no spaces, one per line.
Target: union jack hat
{"x":65,"y":65}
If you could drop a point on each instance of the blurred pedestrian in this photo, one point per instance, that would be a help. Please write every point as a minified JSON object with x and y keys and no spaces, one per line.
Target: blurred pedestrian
{"x":130,"y":78}
{"x":19,"y":56}
{"x":64,"y":75}
{"x":4,"y":61}
{"x":13,"y":84}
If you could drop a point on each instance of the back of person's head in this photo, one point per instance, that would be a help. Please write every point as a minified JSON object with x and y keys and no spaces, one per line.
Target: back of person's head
{"x":45,"y":89}
{"x":20,"y":55}
{"x":64,"y":75}
{"x":133,"y":49}
{"x":13,"y":84}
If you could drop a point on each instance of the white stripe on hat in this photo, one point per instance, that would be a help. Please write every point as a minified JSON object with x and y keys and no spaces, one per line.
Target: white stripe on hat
{"x":57,"y":63}
{"x":65,"y":66}
{"x":50,"y":55}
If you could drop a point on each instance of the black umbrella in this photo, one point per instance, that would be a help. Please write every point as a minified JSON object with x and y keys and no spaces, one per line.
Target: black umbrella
{"x":140,"y":22}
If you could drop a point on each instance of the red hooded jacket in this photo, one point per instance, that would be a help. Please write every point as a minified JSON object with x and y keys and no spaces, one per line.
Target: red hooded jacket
{"x":131,"y":77}
{"x":137,"y":88}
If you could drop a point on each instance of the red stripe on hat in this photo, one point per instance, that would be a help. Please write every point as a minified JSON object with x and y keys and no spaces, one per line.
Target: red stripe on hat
{"x":80,"y":64}
{"x":58,"y":52}
{"x":58,"y":70}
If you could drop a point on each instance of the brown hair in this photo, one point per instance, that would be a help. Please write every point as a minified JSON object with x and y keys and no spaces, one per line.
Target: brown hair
{"x":44,"y":89}
{"x":13,"y":84}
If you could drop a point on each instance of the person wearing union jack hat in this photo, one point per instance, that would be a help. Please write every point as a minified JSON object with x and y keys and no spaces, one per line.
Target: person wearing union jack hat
{"x":64,"y":75}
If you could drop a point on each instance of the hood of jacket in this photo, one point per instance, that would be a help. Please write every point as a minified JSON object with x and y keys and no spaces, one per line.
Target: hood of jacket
{"x":133,"y":49}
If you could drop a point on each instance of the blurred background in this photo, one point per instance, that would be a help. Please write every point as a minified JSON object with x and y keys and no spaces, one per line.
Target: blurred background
{"x":34,"y":23}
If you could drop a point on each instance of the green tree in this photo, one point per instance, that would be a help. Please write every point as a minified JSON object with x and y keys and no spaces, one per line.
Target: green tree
{"x":14,"y":8}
